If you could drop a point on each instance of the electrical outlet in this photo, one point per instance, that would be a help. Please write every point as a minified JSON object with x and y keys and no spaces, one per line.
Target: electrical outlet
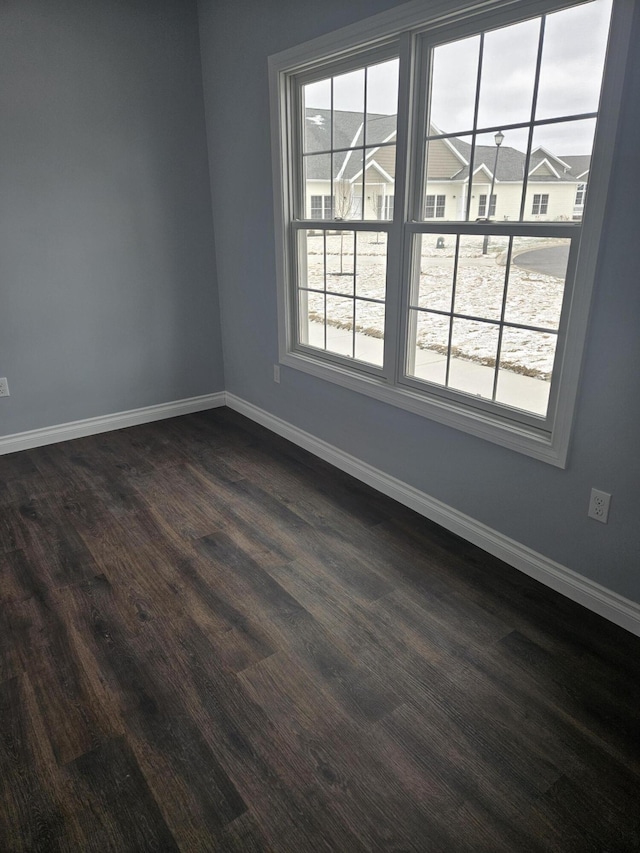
{"x":599,"y":505}
{"x":276,"y":373}
{"x":4,"y":387}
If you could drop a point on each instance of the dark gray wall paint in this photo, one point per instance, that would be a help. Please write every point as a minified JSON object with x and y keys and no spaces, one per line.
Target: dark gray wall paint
{"x":108,"y":298}
{"x":540,"y":506}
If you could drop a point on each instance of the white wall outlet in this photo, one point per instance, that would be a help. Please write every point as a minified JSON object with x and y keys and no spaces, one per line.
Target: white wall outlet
{"x":276,"y":373}
{"x":4,"y":387}
{"x":599,"y":505}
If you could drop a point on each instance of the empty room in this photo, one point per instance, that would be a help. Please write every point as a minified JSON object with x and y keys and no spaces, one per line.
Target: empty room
{"x":319,"y":407}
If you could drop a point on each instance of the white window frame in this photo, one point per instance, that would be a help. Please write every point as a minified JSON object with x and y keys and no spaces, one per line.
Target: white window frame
{"x":482,"y":205}
{"x":540,"y":204}
{"x":549,"y":444}
{"x":325,"y":206}
{"x":438,"y":206}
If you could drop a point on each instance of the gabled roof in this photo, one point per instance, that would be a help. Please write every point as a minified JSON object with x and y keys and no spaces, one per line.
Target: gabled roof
{"x":510,"y":160}
{"x":542,"y":160}
{"x":348,"y":131}
{"x":579,"y":165}
{"x":544,"y":167}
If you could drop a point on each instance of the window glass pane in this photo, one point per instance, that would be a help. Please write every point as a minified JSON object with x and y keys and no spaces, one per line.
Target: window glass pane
{"x":435,"y":279}
{"x":348,"y":109}
{"x":498,"y":170}
{"x":532,"y":295}
{"x":337,"y":321}
{"x":316,"y":98}
{"x":348,"y":185}
{"x":429,"y":343}
{"x":311,"y":318}
{"x":369,"y":337}
{"x":575,"y":42}
{"x":371,"y":274}
{"x":312,"y":259}
{"x":340,"y":248}
{"x":447,"y":178}
{"x":560,"y":154}
{"x":508,"y":74}
{"x":474,"y":348}
{"x":339,"y":325}
{"x":536,"y":281}
{"x":334,"y":121}
{"x":317,"y":182}
{"x":337,"y":283}
{"x":481,"y":276}
{"x":379,"y":182}
{"x":454,"y":74}
{"x":382,"y":101}
{"x":526,"y":363}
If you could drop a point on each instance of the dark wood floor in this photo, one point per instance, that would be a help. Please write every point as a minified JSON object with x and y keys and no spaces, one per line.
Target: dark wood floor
{"x":211,"y":640}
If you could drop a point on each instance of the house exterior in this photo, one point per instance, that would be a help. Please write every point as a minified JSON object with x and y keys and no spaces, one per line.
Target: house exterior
{"x":335,"y":189}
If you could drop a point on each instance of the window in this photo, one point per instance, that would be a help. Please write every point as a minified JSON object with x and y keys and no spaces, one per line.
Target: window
{"x":482,"y":206}
{"x":434,"y":206}
{"x":540,"y":204}
{"x":321,"y":207}
{"x":581,"y":191}
{"x":386,"y":207}
{"x":417,"y":297}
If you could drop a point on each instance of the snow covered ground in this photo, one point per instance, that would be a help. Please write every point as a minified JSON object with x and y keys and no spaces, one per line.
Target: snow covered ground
{"x":532,"y":298}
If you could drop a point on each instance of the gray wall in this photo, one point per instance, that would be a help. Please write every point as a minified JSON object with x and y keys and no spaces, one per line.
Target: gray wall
{"x":538,"y":505}
{"x":107,"y":271}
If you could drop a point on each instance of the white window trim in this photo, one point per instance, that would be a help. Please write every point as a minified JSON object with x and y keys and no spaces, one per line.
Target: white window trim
{"x":551,"y":448}
{"x":543,"y":201}
{"x":493,"y":203}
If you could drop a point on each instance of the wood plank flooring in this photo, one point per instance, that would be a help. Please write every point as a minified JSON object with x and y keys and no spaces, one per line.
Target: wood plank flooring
{"x":212,"y":641}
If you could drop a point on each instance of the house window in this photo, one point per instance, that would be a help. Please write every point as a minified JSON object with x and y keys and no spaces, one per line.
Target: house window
{"x":321,"y":207}
{"x":581,"y":191}
{"x":437,"y":311}
{"x":384,"y":207}
{"x":540,"y":204}
{"x":482,"y":206}
{"x":434,"y":206}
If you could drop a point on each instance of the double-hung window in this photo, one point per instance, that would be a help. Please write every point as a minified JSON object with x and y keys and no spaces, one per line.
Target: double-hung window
{"x":321,"y":207}
{"x":408,"y":291}
{"x":482,"y":206}
{"x":540,"y":204}
{"x":434,"y":206}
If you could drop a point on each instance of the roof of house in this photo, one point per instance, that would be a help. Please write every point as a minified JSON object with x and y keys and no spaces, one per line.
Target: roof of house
{"x":579,"y":163}
{"x":348,"y":132}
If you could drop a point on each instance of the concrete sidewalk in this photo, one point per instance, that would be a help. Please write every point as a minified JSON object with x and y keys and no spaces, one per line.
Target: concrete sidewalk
{"x":521,"y":392}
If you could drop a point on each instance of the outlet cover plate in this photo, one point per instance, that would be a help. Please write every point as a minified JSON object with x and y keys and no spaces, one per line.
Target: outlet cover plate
{"x":599,"y":505}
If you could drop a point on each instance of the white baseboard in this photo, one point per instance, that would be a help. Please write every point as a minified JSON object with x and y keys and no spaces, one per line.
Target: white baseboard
{"x":599,"y":599}
{"x":105,"y":423}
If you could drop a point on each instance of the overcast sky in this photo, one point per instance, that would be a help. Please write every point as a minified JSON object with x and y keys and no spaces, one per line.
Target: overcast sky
{"x":572,"y":61}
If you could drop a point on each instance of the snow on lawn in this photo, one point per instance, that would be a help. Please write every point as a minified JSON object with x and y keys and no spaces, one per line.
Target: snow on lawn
{"x":532,"y":298}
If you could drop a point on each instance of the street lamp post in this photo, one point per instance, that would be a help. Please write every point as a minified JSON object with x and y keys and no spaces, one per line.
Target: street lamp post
{"x":499,"y":139}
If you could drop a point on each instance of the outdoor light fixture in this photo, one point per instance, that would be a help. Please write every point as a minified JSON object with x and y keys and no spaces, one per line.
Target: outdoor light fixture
{"x":499,"y":139}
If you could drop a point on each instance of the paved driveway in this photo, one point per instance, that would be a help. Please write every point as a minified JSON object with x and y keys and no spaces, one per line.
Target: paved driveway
{"x":549,"y":261}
